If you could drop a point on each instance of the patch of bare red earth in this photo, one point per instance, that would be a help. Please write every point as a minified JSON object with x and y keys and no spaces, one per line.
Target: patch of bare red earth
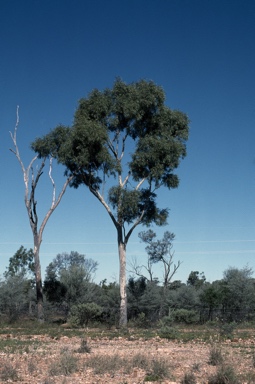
{"x":182,"y":357}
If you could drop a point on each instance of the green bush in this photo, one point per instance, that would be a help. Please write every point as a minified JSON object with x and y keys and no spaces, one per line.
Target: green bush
{"x":81,"y":314}
{"x":167,"y":321}
{"x":170,"y":333}
{"x":227,"y":330}
{"x":142,"y":321}
{"x":186,"y":316}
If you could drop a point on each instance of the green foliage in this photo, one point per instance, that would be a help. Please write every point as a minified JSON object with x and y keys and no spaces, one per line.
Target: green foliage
{"x":210,"y":297}
{"x":103,"y":123}
{"x":22,"y":262}
{"x":227,"y":330}
{"x":157,"y":250}
{"x":237,"y":293}
{"x":93,"y":151}
{"x":136,"y":288}
{"x":68,"y":278}
{"x":168,"y":332}
{"x":15,"y":295}
{"x":108,"y":298}
{"x":196,"y":279}
{"x":167,"y":320}
{"x":184,"y":297}
{"x":81,"y":314}
{"x":149,"y":302}
{"x":186,"y":316}
{"x":224,"y":375}
{"x":141,"y":321}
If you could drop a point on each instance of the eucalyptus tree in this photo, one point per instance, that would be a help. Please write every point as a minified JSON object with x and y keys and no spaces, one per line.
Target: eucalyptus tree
{"x":22,"y":262}
{"x":31,"y":179}
{"x":69,"y":278}
{"x":160,"y":251}
{"x":128,"y":137}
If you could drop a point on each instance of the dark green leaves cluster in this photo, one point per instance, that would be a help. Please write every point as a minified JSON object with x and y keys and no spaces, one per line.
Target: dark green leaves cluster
{"x":126,"y":132}
{"x":22,"y":262}
{"x":67,"y":277}
{"x":157,"y":249}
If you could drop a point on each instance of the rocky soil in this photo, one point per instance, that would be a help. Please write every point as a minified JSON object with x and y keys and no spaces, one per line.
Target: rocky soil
{"x":37,"y":359}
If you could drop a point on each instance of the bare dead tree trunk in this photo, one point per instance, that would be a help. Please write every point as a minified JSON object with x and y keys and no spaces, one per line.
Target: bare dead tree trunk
{"x":31,"y":206}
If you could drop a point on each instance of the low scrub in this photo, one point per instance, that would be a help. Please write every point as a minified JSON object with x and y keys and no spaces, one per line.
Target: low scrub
{"x":8,"y":372}
{"x":155,"y":368}
{"x":158,"y":371}
{"x":215,"y":356}
{"x":224,"y":375}
{"x":189,"y":378}
{"x":84,"y":347}
{"x":66,"y":364}
{"x":170,"y":333}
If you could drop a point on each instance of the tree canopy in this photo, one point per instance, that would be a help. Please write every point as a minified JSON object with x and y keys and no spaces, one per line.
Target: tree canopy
{"x":126,"y":134}
{"x":94,"y":147}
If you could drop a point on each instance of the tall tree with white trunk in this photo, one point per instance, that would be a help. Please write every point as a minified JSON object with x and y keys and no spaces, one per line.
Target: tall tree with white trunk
{"x":129,"y":137}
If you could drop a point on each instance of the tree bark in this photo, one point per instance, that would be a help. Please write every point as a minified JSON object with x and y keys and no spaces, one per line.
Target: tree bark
{"x":122,"y":280}
{"x":38,"y":279}
{"x":31,"y":205}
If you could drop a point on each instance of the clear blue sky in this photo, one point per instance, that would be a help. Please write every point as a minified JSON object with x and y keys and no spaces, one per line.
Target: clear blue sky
{"x":202,"y":52}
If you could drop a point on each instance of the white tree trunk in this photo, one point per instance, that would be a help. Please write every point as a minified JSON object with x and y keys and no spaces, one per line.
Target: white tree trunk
{"x":38,"y":279}
{"x":123,"y":284}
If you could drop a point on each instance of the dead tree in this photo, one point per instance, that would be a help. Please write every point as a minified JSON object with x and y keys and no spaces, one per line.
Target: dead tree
{"x":31,"y":180}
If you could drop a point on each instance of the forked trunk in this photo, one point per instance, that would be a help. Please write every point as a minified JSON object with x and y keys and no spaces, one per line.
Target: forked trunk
{"x":38,"y":280}
{"x":123,"y":284}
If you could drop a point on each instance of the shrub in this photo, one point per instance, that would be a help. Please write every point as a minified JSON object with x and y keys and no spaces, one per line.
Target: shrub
{"x":155,"y":369}
{"x":102,"y":364}
{"x":141,"y":361}
{"x":169,"y":333}
{"x":84,"y":347}
{"x":8,"y":372}
{"x":81,"y":314}
{"x":31,"y":367}
{"x":215,"y":357}
{"x":159,"y":370}
{"x":227,"y":330}
{"x":253,"y":359}
{"x":142,"y":321}
{"x":186,"y":316}
{"x":167,"y":321}
{"x":224,"y":375}
{"x":65,"y":365}
{"x":189,"y":378}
